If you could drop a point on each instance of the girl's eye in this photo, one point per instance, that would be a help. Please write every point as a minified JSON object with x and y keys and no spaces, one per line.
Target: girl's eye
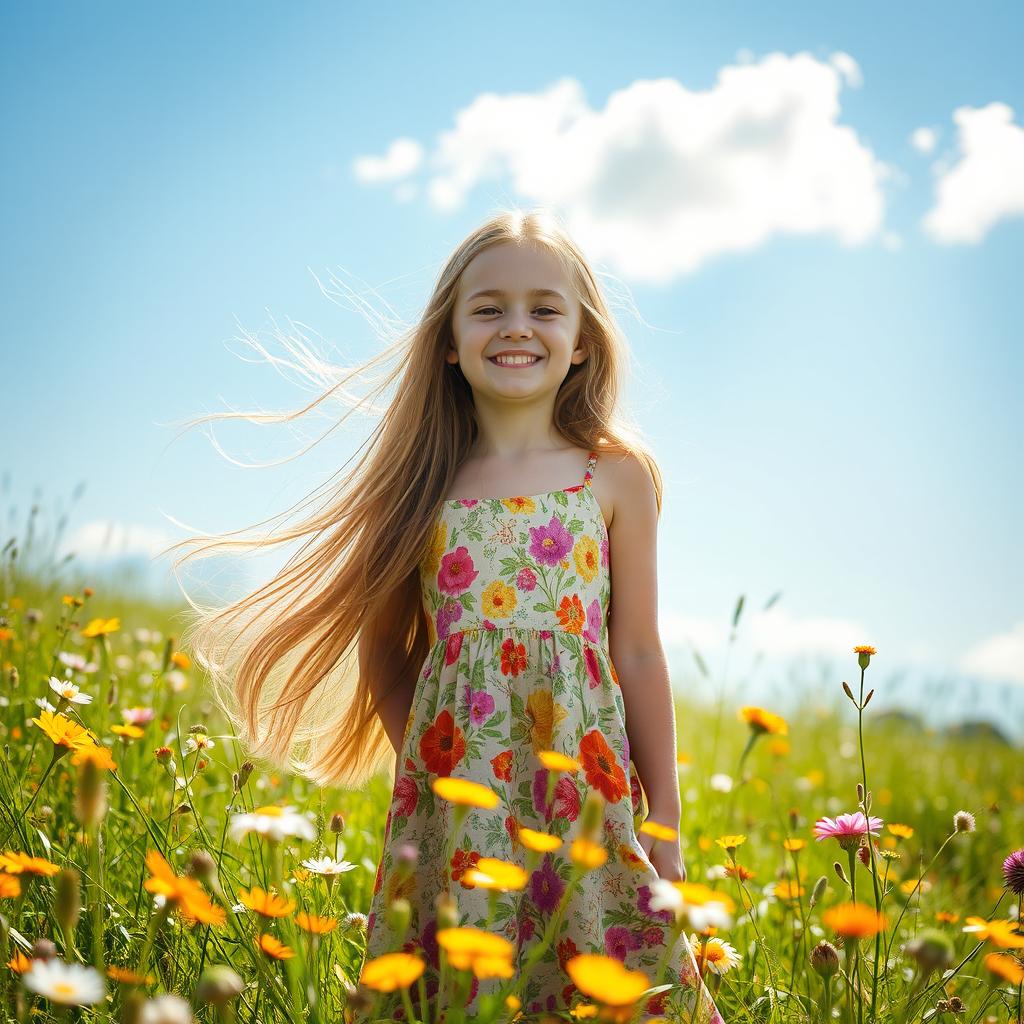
{"x":486,"y":309}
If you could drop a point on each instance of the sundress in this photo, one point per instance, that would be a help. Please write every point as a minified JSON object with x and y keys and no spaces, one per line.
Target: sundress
{"x":517,"y":593}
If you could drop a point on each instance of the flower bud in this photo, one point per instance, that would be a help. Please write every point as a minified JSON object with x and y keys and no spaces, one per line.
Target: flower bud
{"x":825,"y":958}
{"x":932,"y":949}
{"x":90,"y":796}
{"x":963,"y":821}
{"x":398,"y":915}
{"x":69,"y":899}
{"x":841,"y":873}
{"x":219,"y":984}
{"x":819,"y":890}
{"x":43,"y":949}
{"x":244,"y":771}
{"x":201,"y":865}
{"x":337,"y":822}
{"x":447,"y":911}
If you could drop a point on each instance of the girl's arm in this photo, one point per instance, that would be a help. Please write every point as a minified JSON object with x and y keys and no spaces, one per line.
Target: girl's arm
{"x":634,"y":642}
{"x":384,"y":660}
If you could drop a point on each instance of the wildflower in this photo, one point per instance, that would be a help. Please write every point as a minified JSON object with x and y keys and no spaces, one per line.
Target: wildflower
{"x":662,"y":832}
{"x":272,"y":822}
{"x":464,"y":792}
{"x":64,"y":734}
{"x":127,"y":732}
{"x":540,"y":842}
{"x":717,"y":955}
{"x":128,"y":977}
{"x":67,"y":984}
{"x":586,"y":853}
{"x":98,"y":754}
{"x":786,"y":889}
{"x":328,"y":866}
{"x":24,"y":863}
{"x":761,"y":721}
{"x":198,"y":741}
{"x":76,"y":662}
{"x":666,"y":896}
{"x":19,"y":963}
{"x":274,"y":948}
{"x":864,"y":652}
{"x":166,"y":1009}
{"x":68,"y":691}
{"x":932,"y":949}
{"x":605,"y":979}
{"x":499,"y":875}
{"x":315,"y":925}
{"x":43,"y":703}
{"x":1013,"y":872}
{"x":266,"y":904}
{"x":854,"y":920}
{"x":1002,"y":933}
{"x":730,"y":843}
{"x":825,"y":958}
{"x":847,"y":828}
{"x":901,"y":831}
{"x":737,"y":870}
{"x":101,"y":627}
{"x":909,"y":885}
{"x":486,"y":955}
{"x":181,"y":660}
{"x":794,"y":845}
{"x":556,"y":762}
{"x":138,"y":715}
{"x":1004,"y":966}
{"x":720,"y":782}
{"x":946,"y":916}
{"x":185,"y":893}
{"x":963,"y":821}
{"x":391,"y":971}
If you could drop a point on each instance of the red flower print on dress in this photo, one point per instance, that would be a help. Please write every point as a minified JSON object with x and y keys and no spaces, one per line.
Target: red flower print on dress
{"x":502,"y":765}
{"x":513,"y":657}
{"x":601,"y":768}
{"x":512,"y":828}
{"x":456,"y":573}
{"x":406,"y":796}
{"x":570,"y":614}
{"x":462,"y":861}
{"x":592,"y":665}
{"x":452,"y":648}
{"x":442,"y":745}
{"x":566,"y":950}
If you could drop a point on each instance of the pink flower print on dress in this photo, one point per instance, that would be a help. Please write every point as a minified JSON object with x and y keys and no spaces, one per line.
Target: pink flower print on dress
{"x":526,"y":580}
{"x":618,"y":941}
{"x":456,"y":574}
{"x":592,"y":666}
{"x":449,"y":612}
{"x":550,"y":544}
{"x":481,"y":704}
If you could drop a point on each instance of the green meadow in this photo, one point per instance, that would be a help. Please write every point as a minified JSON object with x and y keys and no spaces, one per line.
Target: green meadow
{"x":141,"y":880}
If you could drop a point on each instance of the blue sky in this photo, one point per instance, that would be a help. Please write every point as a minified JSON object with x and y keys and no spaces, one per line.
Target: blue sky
{"x":816,"y":211}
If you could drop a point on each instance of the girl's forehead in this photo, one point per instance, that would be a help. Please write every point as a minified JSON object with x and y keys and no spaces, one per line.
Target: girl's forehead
{"x":512,"y":268}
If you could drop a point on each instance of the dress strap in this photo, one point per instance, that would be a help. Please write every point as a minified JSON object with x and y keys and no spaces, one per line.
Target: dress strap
{"x":591,"y":463}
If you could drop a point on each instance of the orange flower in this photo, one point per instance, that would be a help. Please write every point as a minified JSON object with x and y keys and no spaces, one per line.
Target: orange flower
{"x":128,"y":976}
{"x":23,"y":863}
{"x":763,"y":721}
{"x":266,"y":904}
{"x":97,"y":753}
{"x":185,"y":893}
{"x":602,"y":768}
{"x":854,"y":920}
{"x":181,"y":660}
{"x":19,"y":963}
{"x":1004,"y":966}
{"x":316,"y":925}
{"x":101,"y":627}
{"x":10,"y":887}
{"x":442,"y":745}
{"x":274,"y":948}
{"x":63,"y":732}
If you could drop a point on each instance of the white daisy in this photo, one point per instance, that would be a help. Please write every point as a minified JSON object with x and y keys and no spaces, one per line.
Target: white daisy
{"x":166,"y":1009}
{"x":68,"y":984}
{"x":719,"y":955}
{"x":45,"y":704}
{"x":708,"y":915}
{"x":198,"y":741}
{"x":273,"y":822}
{"x":666,"y":896}
{"x":69,"y":691}
{"x":720,"y":782}
{"x":328,"y":866}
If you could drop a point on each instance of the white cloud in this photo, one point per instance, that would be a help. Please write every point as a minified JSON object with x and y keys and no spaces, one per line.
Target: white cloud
{"x":107,"y":539}
{"x":999,"y":657}
{"x":923,"y":140}
{"x":986,"y":184}
{"x":662,"y":179}
{"x":402,"y":158}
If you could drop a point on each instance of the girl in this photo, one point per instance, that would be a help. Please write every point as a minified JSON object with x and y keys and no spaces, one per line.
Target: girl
{"x":458,"y":611}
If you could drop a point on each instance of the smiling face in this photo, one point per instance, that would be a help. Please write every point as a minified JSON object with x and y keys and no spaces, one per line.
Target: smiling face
{"x":515,"y":298}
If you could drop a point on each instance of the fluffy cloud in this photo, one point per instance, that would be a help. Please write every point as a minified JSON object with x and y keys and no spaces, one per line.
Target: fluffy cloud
{"x":104,"y":539}
{"x":662,"y":178}
{"x":999,"y":658}
{"x":402,"y":158}
{"x":986,"y":184}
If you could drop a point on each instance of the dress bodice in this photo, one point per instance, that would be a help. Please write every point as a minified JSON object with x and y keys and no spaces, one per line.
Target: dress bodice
{"x":539,"y":561}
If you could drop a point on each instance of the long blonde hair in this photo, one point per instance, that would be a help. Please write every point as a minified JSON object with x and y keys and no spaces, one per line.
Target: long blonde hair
{"x":295,"y":663}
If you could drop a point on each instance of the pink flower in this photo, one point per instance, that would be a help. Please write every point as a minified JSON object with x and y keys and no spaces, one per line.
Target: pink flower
{"x":456,"y":572}
{"x":847,"y":828}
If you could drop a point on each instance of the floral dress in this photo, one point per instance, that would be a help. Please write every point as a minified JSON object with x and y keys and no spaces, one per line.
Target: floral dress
{"x":517,"y":592}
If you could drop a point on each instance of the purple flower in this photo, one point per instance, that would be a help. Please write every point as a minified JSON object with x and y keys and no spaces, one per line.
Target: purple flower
{"x":619,"y":940}
{"x":593,"y":629}
{"x":540,"y":791}
{"x":550,"y":544}
{"x":481,"y":705}
{"x":546,"y":887}
{"x":1013,"y":872}
{"x":449,"y":612}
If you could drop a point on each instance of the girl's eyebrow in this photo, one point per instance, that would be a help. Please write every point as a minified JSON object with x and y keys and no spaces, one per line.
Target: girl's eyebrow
{"x":497,"y":292}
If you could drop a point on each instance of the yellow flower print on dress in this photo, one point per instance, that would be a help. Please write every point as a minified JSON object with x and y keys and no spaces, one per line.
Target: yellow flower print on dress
{"x":544,"y":714}
{"x":498,"y":600}
{"x":587,"y":556}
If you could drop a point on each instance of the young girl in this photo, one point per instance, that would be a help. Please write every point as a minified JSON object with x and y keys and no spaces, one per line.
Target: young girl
{"x":470,"y":571}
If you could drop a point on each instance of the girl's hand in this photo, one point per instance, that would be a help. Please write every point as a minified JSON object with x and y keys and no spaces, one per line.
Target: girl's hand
{"x":667,"y":858}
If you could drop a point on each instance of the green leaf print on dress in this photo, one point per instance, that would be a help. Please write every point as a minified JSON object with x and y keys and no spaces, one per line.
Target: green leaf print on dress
{"x":517,"y":592}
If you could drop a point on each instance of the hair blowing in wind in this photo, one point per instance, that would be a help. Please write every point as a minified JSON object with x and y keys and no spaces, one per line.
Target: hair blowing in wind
{"x":301,"y":664}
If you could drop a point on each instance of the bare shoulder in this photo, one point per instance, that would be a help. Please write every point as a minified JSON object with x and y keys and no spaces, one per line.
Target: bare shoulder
{"x":627,"y":484}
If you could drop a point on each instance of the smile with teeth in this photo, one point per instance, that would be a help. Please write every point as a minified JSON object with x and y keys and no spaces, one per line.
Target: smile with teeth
{"x":515,"y":360}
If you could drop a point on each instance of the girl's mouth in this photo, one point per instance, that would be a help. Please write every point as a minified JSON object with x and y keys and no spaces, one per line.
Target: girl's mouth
{"x":516,"y":363}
